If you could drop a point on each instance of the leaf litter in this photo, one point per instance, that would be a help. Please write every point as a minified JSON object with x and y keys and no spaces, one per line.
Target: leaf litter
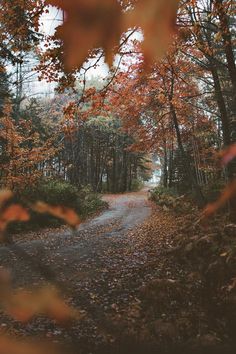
{"x":140,"y":288}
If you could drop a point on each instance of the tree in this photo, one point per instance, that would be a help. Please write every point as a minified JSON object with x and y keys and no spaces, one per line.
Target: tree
{"x":19,"y":35}
{"x":23,"y":155}
{"x":210,"y":30}
{"x":4,"y":88}
{"x":94,"y":30}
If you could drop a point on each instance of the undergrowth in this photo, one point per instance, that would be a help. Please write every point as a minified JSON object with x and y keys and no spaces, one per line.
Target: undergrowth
{"x":82,"y":200}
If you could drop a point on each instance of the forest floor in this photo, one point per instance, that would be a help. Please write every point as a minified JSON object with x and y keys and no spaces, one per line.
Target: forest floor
{"x":134,"y":294}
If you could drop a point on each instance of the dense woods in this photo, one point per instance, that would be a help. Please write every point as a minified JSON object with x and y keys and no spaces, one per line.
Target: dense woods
{"x":182,"y":108}
{"x":96,"y":153}
{"x":95,"y":102}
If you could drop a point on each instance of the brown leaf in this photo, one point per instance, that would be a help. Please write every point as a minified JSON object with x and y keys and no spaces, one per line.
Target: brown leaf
{"x":93,"y":24}
{"x":157,"y":20}
{"x":5,"y":284}
{"x":61,"y":212}
{"x":88,"y":25}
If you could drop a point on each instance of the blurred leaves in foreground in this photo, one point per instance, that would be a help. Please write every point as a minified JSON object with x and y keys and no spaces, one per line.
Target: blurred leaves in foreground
{"x":24,"y":304}
{"x":12,"y":346}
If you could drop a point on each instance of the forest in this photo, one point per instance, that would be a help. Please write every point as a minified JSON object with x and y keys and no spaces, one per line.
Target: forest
{"x":117,"y":176}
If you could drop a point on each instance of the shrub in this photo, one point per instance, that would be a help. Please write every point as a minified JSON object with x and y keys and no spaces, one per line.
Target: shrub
{"x":158,"y":192}
{"x":169,"y":199}
{"x":89,"y":202}
{"x":136,"y":185}
{"x":56,"y":192}
{"x":53,"y":192}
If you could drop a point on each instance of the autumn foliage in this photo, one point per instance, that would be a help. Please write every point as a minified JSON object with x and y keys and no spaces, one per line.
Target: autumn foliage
{"x":87,"y":27}
{"x":168,"y":101}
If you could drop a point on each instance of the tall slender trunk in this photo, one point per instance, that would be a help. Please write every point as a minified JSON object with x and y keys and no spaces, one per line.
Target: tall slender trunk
{"x":227,"y":40}
{"x":170,"y":166}
{"x":165,"y":166}
{"x":192,"y":179}
{"x":221,"y":105}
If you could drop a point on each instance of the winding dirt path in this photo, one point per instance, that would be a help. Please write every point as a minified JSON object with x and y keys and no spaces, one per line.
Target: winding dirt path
{"x":92,"y":266}
{"x":134,"y":295}
{"x":65,"y":249}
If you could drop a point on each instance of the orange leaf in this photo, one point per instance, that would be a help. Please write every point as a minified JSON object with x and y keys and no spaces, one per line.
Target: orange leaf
{"x":14,"y":212}
{"x":228,"y":193}
{"x":23,"y":305}
{"x":157,"y":20}
{"x":61,"y":212}
{"x":11,"y":346}
{"x":5,"y":195}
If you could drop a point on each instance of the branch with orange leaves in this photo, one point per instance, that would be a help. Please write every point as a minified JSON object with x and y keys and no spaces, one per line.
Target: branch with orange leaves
{"x":24,"y":304}
{"x":15,"y":212}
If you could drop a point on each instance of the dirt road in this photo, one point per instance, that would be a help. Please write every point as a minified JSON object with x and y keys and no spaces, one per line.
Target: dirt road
{"x":91,"y":263}
{"x":134,"y":295}
{"x":67,"y":249}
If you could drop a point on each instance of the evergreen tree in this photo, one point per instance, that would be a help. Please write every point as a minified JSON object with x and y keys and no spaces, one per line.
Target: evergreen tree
{"x":4,"y":87}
